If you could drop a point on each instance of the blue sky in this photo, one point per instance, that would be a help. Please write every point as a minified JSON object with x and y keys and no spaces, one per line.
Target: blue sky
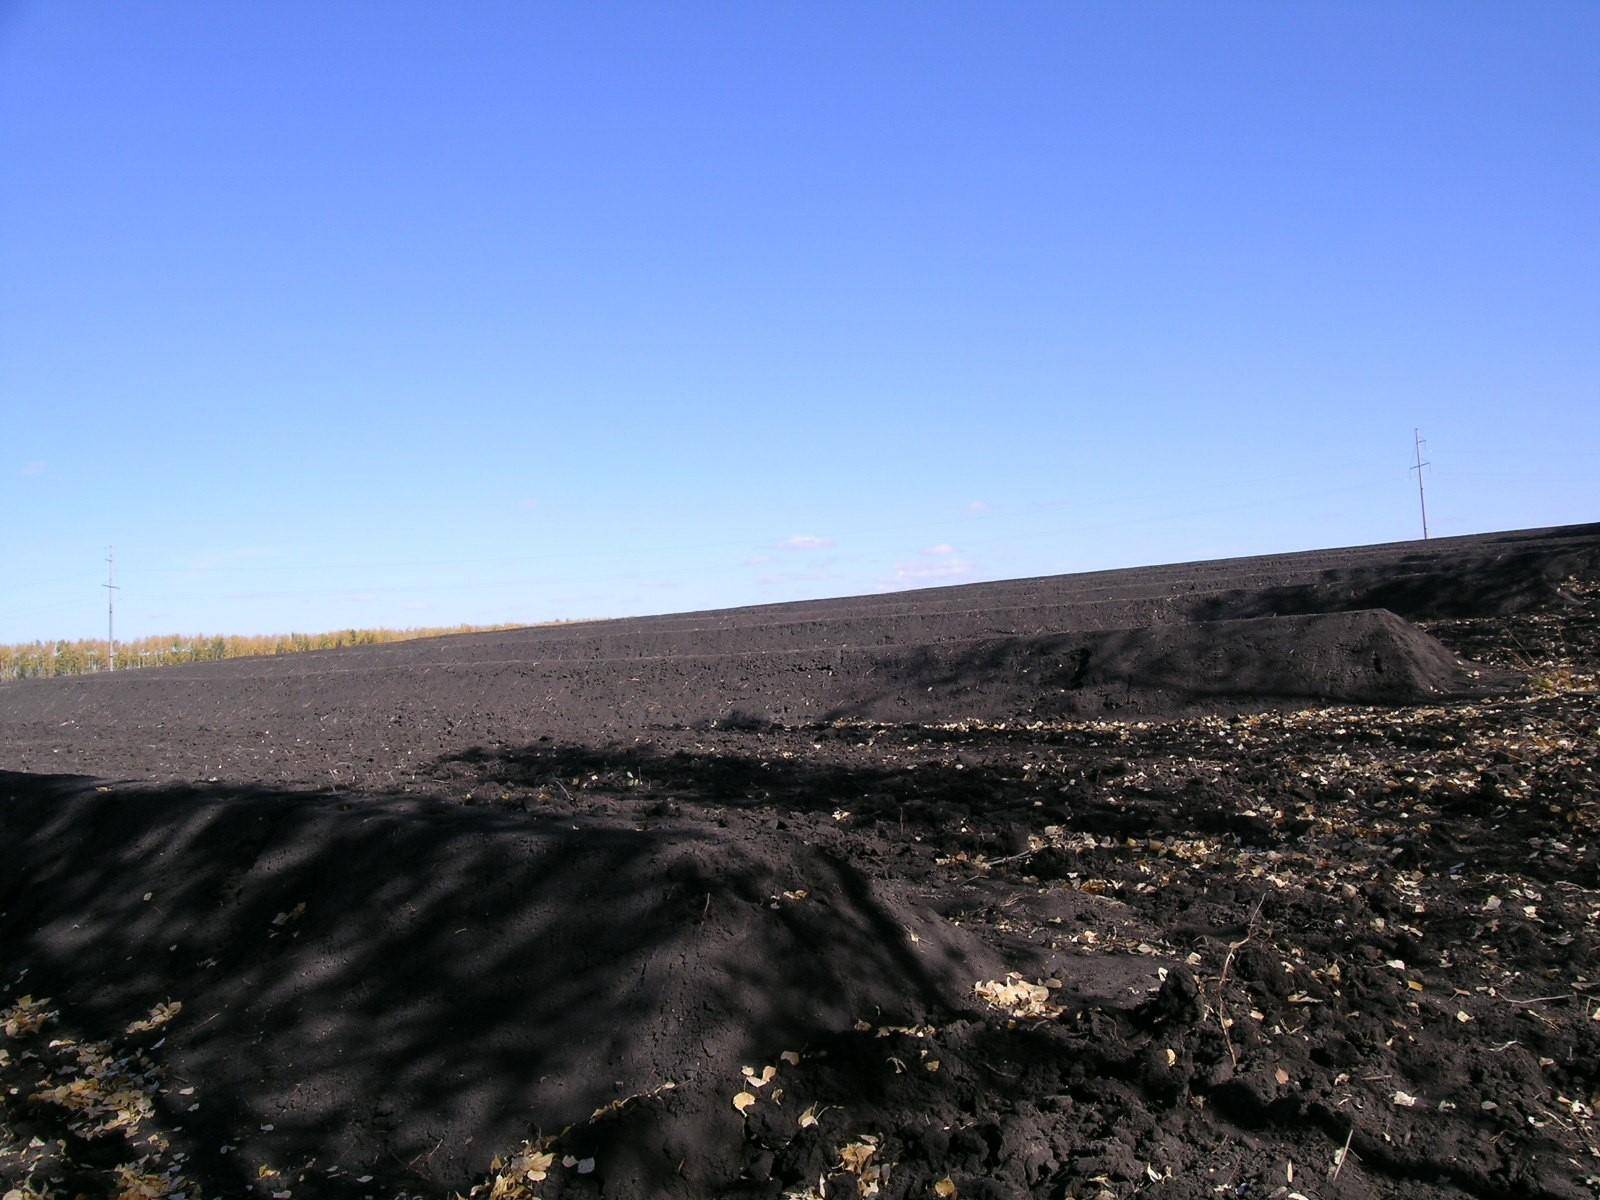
{"x":356,"y":314}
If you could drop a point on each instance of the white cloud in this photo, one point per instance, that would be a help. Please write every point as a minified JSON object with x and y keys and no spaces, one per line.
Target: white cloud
{"x":31,"y":470}
{"x":921,"y":572}
{"x":789,"y":579}
{"x":238,"y":556}
{"x":978,"y":506}
{"x":529,"y":505}
{"x":936,"y":564}
{"x":806,"y":541}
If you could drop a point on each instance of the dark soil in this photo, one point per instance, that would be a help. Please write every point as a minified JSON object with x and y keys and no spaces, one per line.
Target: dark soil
{"x":389,"y":922}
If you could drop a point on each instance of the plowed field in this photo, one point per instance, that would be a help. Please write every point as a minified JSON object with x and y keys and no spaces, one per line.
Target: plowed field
{"x":1248,"y":878}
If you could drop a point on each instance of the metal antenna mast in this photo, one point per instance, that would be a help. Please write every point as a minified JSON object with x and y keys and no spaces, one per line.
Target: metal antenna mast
{"x":111,"y":607}
{"x":1418,"y":443}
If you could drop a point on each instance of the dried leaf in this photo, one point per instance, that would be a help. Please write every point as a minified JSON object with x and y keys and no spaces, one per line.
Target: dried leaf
{"x":159,"y":1016}
{"x":1017,"y":996}
{"x":854,"y":1156}
{"x":27,"y":1015}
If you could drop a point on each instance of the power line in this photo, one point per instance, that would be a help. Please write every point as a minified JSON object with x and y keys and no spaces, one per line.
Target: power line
{"x":1418,"y":442}
{"x":111,"y":607}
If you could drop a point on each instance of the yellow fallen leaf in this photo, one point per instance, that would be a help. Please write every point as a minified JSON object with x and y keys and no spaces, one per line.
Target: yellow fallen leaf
{"x":1017,"y":996}
{"x":133,"y":1184}
{"x":743,"y":1101}
{"x":809,"y":1117}
{"x":27,"y":1015}
{"x":854,"y":1156}
{"x":945,"y":1188}
{"x":159,"y":1016}
{"x":534,"y":1165}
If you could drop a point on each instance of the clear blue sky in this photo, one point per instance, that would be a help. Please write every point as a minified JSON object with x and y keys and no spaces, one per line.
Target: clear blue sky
{"x":348,"y":314}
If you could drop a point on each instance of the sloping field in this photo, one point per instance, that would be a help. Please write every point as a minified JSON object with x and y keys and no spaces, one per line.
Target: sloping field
{"x":1214,"y":879}
{"x":1366,"y":657}
{"x":1145,"y":642}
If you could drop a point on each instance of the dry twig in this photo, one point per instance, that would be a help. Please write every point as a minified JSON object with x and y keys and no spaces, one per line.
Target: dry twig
{"x":1343,"y":1155}
{"x":1222,"y":979}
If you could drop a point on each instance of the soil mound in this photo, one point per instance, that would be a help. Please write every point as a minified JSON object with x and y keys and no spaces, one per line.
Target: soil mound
{"x":420,"y":983}
{"x":1205,"y":666}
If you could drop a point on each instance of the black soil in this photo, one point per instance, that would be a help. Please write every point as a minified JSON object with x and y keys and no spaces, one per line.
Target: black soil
{"x":1204,"y":880}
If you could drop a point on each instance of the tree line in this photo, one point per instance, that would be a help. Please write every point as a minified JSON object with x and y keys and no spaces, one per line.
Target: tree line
{"x":85,"y":656}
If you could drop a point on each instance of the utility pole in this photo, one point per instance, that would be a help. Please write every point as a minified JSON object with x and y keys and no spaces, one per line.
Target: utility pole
{"x":1418,"y":441}
{"x":111,"y":607}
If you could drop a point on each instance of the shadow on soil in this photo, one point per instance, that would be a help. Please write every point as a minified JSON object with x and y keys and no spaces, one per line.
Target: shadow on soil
{"x":967,"y":790}
{"x":409,"y":987}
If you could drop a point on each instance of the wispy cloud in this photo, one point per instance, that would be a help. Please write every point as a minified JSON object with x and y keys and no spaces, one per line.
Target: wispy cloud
{"x":822,"y":573}
{"x":935,"y":564}
{"x":33,"y":469}
{"x":806,"y":541}
{"x":528,"y":505}
{"x":978,"y":506}
{"x":646,"y":584}
{"x":239,"y":556}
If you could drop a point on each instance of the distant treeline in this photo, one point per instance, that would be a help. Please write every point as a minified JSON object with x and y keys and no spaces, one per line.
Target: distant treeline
{"x":30,"y":660}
